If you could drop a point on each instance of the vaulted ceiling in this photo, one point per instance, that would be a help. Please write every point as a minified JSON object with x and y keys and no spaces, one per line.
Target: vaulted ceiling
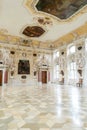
{"x":43,"y":22}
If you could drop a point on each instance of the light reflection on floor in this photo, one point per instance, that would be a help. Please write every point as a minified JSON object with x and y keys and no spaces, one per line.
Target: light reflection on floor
{"x":44,"y":107}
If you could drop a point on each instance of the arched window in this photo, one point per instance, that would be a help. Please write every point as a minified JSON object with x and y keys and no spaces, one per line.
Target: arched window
{"x":71,"y":50}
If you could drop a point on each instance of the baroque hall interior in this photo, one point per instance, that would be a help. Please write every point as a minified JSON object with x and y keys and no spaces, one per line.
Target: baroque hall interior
{"x":43,"y":64}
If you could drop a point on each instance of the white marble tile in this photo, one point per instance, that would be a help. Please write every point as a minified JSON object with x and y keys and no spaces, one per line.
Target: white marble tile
{"x":53,"y":107}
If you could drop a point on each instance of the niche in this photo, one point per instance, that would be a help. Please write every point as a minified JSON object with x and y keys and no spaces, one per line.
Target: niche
{"x":23,"y":67}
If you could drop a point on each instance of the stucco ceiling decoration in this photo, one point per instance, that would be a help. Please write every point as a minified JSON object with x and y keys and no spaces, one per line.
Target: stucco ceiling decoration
{"x":45,"y":21}
{"x":74,"y":35}
{"x":3,"y":31}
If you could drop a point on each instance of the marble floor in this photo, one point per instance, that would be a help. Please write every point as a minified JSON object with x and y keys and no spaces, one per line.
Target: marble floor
{"x":47,"y":107}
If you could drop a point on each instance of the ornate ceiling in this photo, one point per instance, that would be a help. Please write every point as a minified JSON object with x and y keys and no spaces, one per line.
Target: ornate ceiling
{"x":62,"y":9}
{"x":28,"y":21}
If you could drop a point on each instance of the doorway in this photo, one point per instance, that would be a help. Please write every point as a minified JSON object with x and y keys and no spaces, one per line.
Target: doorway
{"x":0,"y":77}
{"x":44,"y":76}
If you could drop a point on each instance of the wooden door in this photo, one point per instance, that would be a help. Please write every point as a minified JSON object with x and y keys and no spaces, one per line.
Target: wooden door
{"x":44,"y":76}
{"x":0,"y":77}
{"x":6,"y":77}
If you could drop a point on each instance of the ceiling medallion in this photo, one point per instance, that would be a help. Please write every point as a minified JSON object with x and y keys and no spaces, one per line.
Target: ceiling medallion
{"x":62,"y":9}
{"x":33,"y":31}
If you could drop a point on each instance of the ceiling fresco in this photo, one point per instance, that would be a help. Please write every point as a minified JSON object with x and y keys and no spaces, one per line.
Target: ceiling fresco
{"x":33,"y":31}
{"x":62,"y":9}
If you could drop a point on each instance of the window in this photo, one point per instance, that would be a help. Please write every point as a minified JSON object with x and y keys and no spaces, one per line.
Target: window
{"x":72,"y":70}
{"x":56,"y":72}
{"x":86,"y":44}
{"x":56,"y":54}
{"x":71,"y":50}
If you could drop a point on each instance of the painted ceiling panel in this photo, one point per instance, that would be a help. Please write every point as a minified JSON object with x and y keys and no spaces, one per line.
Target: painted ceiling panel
{"x":33,"y":31}
{"x":62,"y":9}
